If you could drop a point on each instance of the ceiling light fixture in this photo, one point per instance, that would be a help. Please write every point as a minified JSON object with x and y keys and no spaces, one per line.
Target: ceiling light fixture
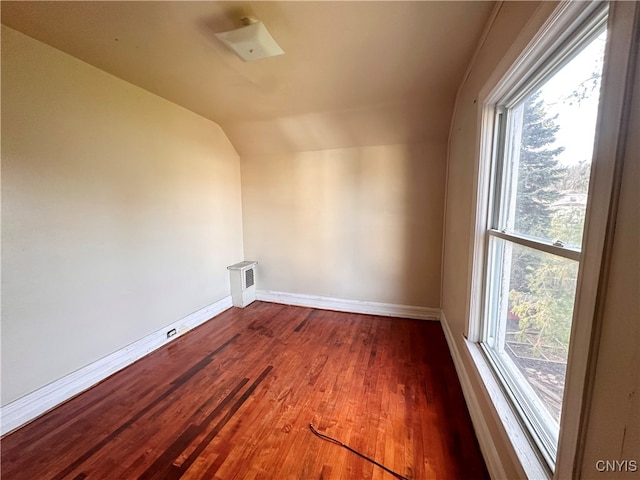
{"x":251,"y":42}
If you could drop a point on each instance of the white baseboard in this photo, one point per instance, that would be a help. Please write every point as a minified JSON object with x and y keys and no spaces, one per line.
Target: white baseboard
{"x":34,"y":404}
{"x":487,"y":445}
{"x":352,"y":306}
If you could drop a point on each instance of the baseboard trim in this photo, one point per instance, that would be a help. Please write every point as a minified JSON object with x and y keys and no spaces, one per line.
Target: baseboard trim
{"x":34,"y":404}
{"x":351,"y":306}
{"x":487,"y":445}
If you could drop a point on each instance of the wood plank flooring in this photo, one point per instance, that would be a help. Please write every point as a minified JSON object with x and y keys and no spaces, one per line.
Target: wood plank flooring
{"x":233,"y":399}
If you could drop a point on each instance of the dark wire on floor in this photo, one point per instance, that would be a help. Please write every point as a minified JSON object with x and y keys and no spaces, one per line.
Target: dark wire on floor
{"x":338,"y":442}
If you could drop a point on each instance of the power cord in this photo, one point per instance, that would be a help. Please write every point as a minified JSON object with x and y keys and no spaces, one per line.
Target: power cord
{"x":338,"y":442}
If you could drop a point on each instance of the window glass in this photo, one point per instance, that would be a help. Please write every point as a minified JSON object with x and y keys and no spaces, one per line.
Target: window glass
{"x":539,"y":198}
{"x":535,"y":292}
{"x":549,"y":150}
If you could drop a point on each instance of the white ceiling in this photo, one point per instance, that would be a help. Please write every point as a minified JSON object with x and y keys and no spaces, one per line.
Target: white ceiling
{"x":354,"y":73}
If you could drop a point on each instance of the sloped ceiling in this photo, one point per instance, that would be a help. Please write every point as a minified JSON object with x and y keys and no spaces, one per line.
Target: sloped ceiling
{"x":354,"y":73}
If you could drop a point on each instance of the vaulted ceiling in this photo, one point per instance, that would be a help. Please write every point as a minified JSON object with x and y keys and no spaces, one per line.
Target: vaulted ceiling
{"x":354,"y":73}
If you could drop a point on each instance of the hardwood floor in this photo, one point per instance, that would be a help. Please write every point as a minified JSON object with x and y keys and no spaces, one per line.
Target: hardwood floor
{"x":233,"y":399}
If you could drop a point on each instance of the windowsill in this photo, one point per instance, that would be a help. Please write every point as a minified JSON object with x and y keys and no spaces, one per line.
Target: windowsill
{"x":524,"y":452}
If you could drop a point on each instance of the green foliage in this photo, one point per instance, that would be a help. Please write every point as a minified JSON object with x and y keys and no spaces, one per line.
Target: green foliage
{"x":576,"y":178}
{"x":546,"y":311}
{"x":567,"y":225}
{"x":538,"y":170}
{"x":542,"y":286}
{"x":538,"y":175}
{"x":545,"y":304}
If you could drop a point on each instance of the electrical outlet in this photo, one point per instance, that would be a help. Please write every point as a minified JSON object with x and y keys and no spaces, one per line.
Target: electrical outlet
{"x":171,"y":332}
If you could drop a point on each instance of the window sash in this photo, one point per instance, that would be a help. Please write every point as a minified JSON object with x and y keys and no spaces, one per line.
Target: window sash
{"x":535,"y":243}
{"x":536,"y":421}
{"x":530,"y":411}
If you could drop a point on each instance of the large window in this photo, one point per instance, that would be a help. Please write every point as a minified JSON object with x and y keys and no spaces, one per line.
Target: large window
{"x":542,"y":141}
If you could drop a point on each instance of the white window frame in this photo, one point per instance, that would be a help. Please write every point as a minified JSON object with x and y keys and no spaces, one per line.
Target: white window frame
{"x":597,"y":239}
{"x":529,"y":407}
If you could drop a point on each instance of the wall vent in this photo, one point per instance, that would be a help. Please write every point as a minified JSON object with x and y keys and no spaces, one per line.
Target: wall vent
{"x":243,"y":283}
{"x":248,"y":278}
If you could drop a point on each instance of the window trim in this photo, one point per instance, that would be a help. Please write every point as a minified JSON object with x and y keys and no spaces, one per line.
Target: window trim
{"x":605,"y":182}
{"x":612,"y":132}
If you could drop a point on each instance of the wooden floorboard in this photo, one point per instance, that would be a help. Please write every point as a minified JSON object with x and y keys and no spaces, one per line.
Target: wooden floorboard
{"x":233,"y":399}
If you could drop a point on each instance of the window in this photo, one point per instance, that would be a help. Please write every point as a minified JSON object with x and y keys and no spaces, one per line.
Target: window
{"x":542,"y":140}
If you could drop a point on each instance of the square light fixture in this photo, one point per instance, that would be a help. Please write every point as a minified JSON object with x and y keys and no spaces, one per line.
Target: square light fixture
{"x":251,"y":42}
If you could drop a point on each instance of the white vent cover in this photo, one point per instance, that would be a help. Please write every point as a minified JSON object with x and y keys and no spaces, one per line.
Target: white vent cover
{"x":243,"y":283}
{"x":251,"y":42}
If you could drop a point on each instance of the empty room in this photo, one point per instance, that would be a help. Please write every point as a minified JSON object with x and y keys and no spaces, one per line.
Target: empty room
{"x":320,"y":240}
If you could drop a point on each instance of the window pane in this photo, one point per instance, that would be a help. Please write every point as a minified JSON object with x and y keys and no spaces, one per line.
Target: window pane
{"x":549,"y":146}
{"x":532,"y":299}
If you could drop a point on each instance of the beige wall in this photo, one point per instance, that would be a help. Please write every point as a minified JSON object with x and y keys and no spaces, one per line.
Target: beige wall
{"x":355,"y":223}
{"x":120,"y":212}
{"x":509,"y":23}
